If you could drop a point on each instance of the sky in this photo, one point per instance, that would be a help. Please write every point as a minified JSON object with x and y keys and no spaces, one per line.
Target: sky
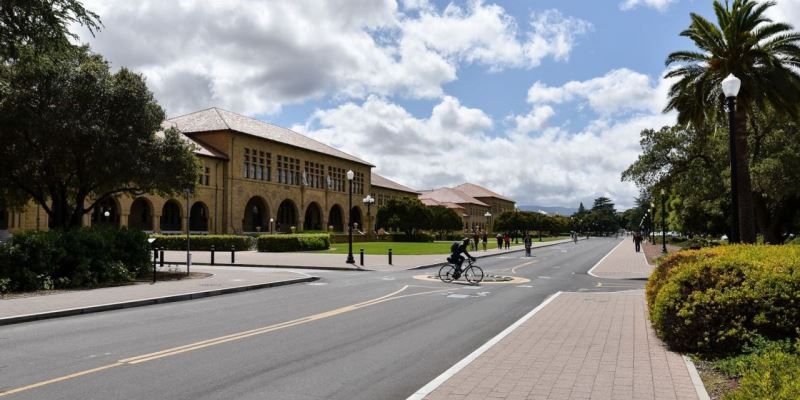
{"x":539,"y":100}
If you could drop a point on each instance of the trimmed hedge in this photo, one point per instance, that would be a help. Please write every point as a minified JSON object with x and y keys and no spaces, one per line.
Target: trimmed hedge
{"x":72,"y":259}
{"x":204,"y":242}
{"x":716,"y":300}
{"x":774,"y":375}
{"x":293,"y":242}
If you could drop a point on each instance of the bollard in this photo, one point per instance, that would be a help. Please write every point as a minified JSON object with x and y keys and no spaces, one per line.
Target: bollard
{"x":212,"y":254}
{"x":162,"y":257}
{"x":233,"y":254}
{"x":390,"y":256}
{"x":362,"y":257}
{"x":155,"y":262}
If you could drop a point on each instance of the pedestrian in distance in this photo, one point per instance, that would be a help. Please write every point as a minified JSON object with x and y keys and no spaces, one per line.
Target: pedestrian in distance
{"x":507,"y":240}
{"x":528,"y":244}
{"x":475,"y":239}
{"x":485,"y":240}
{"x":499,"y":238}
{"x":637,"y":240}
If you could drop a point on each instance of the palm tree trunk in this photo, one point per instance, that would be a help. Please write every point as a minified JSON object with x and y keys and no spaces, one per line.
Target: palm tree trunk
{"x":747,"y":217}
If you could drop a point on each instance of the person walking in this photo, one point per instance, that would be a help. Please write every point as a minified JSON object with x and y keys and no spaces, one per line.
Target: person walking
{"x":475,"y":239}
{"x":637,"y":240}
{"x":528,"y":244}
{"x":499,"y":241}
{"x":485,"y":240}
{"x":507,"y":240}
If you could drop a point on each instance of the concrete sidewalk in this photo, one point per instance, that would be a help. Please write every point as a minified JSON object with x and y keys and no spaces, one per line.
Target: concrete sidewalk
{"x":332,"y":261}
{"x":220,"y":281}
{"x":623,"y":263}
{"x":576,"y":346}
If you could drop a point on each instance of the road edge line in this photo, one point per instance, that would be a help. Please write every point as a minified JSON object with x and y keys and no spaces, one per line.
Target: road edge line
{"x":439,"y":380}
{"x":697,"y":382}
{"x":601,"y":260}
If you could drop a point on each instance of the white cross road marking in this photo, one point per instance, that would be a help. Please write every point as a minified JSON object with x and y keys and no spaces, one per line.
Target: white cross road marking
{"x":482,"y":294}
{"x":237,"y":280}
{"x":525,"y":286}
{"x":317,"y":283}
{"x":458,"y":296}
{"x":545,"y":277}
{"x":387,"y":278}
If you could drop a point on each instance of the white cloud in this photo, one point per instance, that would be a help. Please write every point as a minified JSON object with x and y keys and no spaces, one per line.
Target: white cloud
{"x":454,"y":144}
{"x":786,"y":11}
{"x":660,"y":5}
{"x":618,"y":91}
{"x":254,"y":57}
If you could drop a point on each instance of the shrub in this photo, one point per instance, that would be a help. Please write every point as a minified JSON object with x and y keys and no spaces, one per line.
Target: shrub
{"x":717,"y":300}
{"x":69,"y":259}
{"x":293,"y":242}
{"x":204,"y":242}
{"x":774,"y":375}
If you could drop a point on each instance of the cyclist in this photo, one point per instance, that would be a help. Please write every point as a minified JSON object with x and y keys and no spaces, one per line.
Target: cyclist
{"x":456,"y":257}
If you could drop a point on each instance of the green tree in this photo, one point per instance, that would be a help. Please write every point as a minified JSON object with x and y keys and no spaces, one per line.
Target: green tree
{"x":40,"y":24}
{"x":405,"y":214}
{"x":444,"y":220}
{"x":73,"y":134}
{"x":763,"y":54}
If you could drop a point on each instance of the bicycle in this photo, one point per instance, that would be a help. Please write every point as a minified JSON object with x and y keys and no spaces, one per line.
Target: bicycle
{"x":472,"y":273}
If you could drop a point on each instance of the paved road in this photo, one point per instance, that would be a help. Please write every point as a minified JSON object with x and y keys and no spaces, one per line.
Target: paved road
{"x":352,"y":335}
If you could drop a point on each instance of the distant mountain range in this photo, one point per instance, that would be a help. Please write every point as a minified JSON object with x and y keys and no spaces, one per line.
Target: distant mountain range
{"x":566,"y":211}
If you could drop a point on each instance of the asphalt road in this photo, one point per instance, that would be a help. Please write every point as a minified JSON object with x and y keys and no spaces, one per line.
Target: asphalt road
{"x":351,"y":335}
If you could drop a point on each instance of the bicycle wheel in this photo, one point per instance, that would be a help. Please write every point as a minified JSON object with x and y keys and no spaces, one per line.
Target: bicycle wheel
{"x":446,"y":273}
{"x":474,"y":274}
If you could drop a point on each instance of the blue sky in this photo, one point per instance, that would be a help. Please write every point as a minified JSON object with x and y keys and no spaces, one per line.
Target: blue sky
{"x":539,"y":100}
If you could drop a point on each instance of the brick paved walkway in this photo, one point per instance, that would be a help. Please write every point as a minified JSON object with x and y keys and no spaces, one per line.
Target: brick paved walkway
{"x":580,"y":346}
{"x":576,"y":346}
{"x":623,"y":263}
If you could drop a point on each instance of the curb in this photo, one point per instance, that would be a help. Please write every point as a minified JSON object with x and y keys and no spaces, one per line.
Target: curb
{"x":699,"y":388}
{"x":146,"y":302}
{"x":488,"y":255}
{"x":439,"y":380}
{"x":268,"y":266}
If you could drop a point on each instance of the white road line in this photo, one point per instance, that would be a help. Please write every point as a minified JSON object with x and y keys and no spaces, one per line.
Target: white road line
{"x":601,"y":260}
{"x":439,"y":380}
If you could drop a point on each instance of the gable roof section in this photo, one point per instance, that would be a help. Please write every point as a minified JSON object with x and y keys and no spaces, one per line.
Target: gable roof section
{"x":474,"y":190}
{"x":377,"y":180}
{"x":216,"y":119}
{"x":448,"y":195}
{"x":199,"y":147}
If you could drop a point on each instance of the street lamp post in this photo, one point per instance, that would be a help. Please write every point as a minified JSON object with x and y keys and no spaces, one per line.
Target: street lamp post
{"x":730,"y":86}
{"x":350,"y":259}
{"x":488,"y":216}
{"x":368,"y":201}
{"x":663,"y":221}
{"x":653,"y":222}
{"x":188,"y":254}
{"x":271,"y":225}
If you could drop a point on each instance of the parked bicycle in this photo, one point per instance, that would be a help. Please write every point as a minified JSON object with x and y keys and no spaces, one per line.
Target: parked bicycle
{"x":472,"y":273}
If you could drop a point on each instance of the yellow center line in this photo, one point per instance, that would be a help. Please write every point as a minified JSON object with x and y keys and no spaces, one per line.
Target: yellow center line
{"x":223,"y":339}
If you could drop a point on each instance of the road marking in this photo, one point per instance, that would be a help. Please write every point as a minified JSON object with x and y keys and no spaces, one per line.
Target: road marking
{"x":525,"y":286}
{"x":317,"y":283}
{"x":601,"y":260}
{"x":432,"y":385}
{"x":514,"y":270}
{"x":458,"y":296}
{"x":545,"y":277}
{"x":224,"y":339}
{"x":387,"y":278}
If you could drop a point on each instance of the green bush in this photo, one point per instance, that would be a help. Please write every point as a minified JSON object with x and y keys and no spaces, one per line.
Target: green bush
{"x":716,"y":300}
{"x":774,"y":375}
{"x":71,"y":259}
{"x":293,"y":242}
{"x":204,"y":242}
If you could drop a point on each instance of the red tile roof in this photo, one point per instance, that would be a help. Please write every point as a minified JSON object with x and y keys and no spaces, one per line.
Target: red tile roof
{"x":474,"y":190}
{"x":448,"y":195}
{"x":216,"y":119}
{"x":377,"y":180}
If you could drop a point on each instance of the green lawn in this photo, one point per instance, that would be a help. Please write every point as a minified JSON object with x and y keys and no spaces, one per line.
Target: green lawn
{"x":410,"y":248}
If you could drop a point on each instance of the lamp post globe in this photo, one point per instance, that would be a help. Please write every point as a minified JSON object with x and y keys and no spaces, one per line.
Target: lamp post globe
{"x":350,"y":258}
{"x":368,"y":201}
{"x":730,"y":87}
{"x":488,"y":215}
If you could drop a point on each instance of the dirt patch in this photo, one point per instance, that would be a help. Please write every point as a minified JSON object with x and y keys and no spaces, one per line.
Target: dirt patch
{"x":717,"y":384}
{"x":654,"y":251}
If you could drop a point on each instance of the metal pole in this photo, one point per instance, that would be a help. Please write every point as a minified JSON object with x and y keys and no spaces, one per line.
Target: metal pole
{"x":362,"y":257}
{"x":188,"y":254}
{"x":162,"y":256}
{"x":390,"y":256}
{"x":734,"y":173}
{"x":663,"y":224}
{"x":350,"y":259}
{"x":212,"y":254}
{"x":155,"y":262}
{"x":233,"y":254}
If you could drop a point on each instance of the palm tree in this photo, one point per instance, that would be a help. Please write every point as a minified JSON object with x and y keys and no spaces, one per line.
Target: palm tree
{"x":766,"y":57}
